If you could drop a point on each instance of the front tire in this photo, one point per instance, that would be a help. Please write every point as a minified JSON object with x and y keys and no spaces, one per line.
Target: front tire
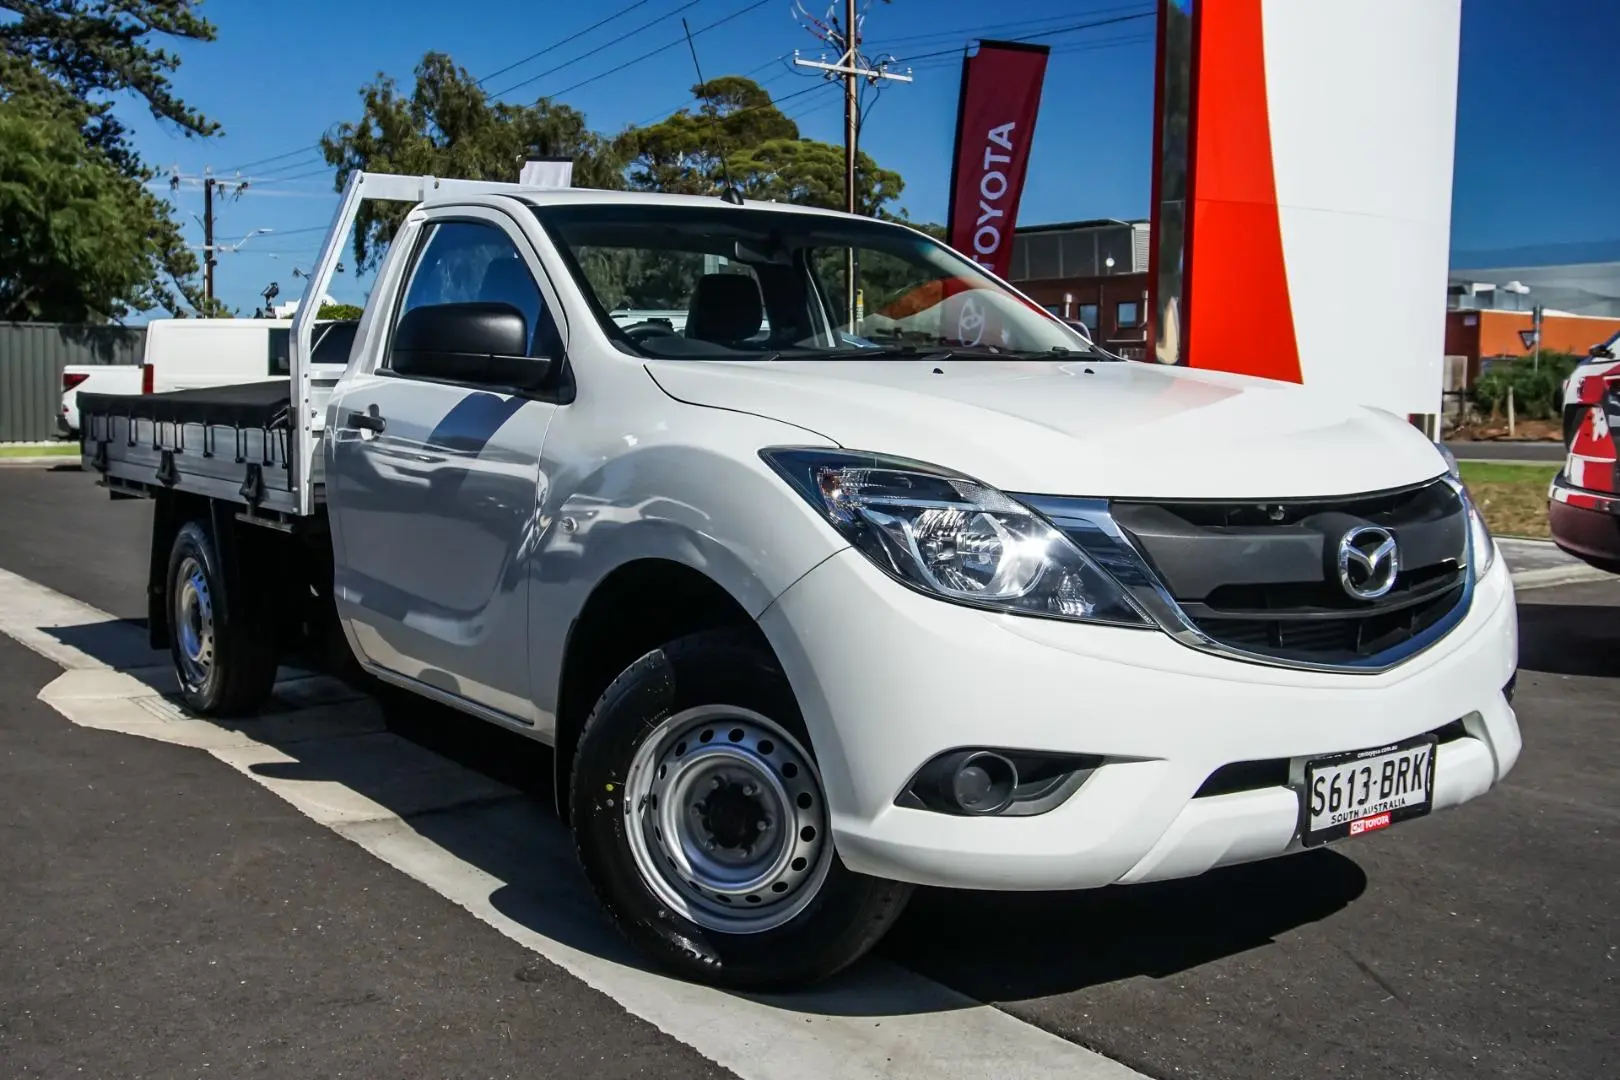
{"x":700,"y":821}
{"x":225,"y":665}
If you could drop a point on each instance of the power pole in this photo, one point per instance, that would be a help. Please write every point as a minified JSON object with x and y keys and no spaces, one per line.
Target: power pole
{"x":852,"y":106}
{"x":851,"y":67}
{"x":208,"y":237}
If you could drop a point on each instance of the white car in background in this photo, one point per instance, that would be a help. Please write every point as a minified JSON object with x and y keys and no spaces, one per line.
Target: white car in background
{"x":92,"y":379}
{"x":193,"y":354}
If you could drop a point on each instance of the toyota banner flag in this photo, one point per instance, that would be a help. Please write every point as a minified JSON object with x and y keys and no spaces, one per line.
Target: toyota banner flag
{"x":995,"y":122}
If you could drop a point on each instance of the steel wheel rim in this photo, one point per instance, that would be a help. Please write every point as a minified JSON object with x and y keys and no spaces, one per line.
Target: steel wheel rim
{"x":194,"y":623}
{"x":726,"y":821}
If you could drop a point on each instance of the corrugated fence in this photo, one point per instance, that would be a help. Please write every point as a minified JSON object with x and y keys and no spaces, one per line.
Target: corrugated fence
{"x":32,"y":356}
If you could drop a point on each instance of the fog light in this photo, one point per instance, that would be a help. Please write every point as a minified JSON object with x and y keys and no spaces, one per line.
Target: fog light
{"x":980,"y":782}
{"x":983,"y":783}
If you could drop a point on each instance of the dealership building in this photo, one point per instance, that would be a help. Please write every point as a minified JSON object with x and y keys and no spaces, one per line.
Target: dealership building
{"x":1096,"y":272}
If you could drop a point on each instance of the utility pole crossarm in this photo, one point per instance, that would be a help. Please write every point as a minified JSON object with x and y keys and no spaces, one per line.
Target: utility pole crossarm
{"x":859,"y":72}
{"x":851,"y":67}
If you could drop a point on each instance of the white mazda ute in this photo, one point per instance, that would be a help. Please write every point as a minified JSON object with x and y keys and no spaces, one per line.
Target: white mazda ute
{"x":857,"y":572}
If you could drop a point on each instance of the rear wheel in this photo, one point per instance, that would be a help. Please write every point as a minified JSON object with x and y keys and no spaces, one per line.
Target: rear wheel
{"x":224,"y":653}
{"x":700,"y":819}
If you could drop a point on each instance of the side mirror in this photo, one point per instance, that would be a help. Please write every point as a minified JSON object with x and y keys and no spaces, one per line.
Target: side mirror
{"x":480,"y":343}
{"x":1601,"y":352}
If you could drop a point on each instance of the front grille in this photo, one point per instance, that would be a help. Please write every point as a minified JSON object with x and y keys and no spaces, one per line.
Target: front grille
{"x":1261,"y":577}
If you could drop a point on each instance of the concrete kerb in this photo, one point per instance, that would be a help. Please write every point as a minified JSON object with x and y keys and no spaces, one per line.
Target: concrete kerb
{"x":1549,"y":565}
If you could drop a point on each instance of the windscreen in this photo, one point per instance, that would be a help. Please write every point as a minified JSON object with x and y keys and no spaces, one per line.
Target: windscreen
{"x":685,"y":281}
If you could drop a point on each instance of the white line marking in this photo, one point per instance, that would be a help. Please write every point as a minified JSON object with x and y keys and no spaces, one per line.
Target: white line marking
{"x":335,"y":762}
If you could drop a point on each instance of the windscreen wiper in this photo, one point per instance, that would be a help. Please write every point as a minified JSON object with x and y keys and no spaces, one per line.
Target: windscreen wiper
{"x":933,"y":353}
{"x":885,"y":352}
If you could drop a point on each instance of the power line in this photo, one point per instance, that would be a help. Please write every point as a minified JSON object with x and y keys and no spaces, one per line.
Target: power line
{"x":497,"y":95}
{"x":585,"y":82}
{"x":664,"y":114}
{"x":313,"y":172}
{"x":651,"y":53}
{"x":817,"y":107}
{"x":1065,"y":50}
{"x":500,"y":71}
{"x":559,"y":44}
{"x":982,"y":31}
{"x":294,"y":164}
{"x":263,"y":161}
{"x":957,"y":50}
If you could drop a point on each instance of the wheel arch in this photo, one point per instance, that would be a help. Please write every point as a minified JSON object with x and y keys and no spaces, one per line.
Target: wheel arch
{"x":640,"y":605}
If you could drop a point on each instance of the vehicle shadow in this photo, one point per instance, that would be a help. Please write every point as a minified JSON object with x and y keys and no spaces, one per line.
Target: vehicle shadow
{"x":1018,"y":946}
{"x":988,"y":946}
{"x":485,"y":796}
{"x":1569,"y":639}
{"x":120,"y":644}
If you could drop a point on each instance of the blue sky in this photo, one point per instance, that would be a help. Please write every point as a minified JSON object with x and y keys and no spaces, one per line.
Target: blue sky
{"x":1538,"y":123}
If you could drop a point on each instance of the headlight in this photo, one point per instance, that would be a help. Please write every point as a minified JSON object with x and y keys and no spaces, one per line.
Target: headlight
{"x":1482,"y":548}
{"x":1451,"y":460}
{"x":952,"y":537}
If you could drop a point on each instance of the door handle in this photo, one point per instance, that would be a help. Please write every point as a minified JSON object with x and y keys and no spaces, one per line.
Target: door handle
{"x":367,"y":421}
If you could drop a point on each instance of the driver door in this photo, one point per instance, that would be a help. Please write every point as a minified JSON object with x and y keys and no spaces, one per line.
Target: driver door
{"x":433,"y":483}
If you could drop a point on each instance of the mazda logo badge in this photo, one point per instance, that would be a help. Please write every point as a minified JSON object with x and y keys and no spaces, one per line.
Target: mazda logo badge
{"x":1368,"y":562}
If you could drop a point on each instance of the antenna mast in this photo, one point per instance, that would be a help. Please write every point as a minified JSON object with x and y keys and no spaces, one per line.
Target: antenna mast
{"x":728,"y":190}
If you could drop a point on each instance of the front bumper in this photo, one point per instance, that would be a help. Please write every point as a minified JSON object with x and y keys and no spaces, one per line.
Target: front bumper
{"x":888,"y":678}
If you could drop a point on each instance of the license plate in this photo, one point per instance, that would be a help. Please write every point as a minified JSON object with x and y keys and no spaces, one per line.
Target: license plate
{"x":1366,"y":790}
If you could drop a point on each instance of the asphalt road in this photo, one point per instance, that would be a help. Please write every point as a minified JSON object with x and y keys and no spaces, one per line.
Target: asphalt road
{"x":1479,"y":942}
{"x":161,"y":916}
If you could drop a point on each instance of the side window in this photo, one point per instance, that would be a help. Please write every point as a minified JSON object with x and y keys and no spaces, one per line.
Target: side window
{"x":280,"y":343}
{"x":468,"y":261}
{"x":333,"y":341}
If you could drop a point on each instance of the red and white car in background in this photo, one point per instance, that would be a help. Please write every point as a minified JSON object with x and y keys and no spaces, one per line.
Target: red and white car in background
{"x":1583,"y":502}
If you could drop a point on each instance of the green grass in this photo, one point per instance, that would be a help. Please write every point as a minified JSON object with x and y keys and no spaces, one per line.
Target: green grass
{"x":1493,"y":472}
{"x":1513,"y":498}
{"x":40,"y":450}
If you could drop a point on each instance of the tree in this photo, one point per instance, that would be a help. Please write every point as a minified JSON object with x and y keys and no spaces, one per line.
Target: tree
{"x":762,"y":150}
{"x":341,"y":312}
{"x":811,"y":173}
{"x":683,"y":152}
{"x":69,"y":249}
{"x":447,"y":126}
{"x":63,"y":63}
